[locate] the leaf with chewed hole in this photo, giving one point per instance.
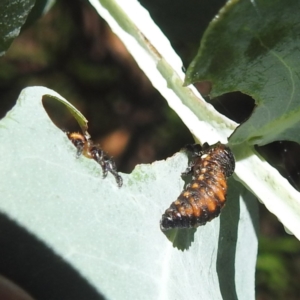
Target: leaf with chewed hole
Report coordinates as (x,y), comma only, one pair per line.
(110,235)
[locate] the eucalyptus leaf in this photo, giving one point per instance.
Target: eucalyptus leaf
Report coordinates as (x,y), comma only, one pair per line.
(111,235)
(254,47)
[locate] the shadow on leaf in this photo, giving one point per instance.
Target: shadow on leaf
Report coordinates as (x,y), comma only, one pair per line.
(181,238)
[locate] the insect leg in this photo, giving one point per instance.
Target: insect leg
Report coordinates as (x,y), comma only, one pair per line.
(189,169)
(107,164)
(100,157)
(111,167)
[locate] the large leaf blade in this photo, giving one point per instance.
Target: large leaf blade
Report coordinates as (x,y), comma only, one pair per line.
(111,235)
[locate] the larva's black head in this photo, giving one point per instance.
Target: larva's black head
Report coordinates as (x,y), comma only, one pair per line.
(166,223)
(169,221)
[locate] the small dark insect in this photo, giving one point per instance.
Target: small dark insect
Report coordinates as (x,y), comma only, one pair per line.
(86,147)
(203,198)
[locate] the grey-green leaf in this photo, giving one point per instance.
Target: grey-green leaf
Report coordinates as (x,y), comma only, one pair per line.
(111,235)
(254,47)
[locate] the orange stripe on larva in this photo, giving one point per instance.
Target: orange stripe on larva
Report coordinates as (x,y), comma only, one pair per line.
(204,197)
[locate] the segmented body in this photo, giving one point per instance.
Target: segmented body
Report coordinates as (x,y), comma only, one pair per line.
(203,198)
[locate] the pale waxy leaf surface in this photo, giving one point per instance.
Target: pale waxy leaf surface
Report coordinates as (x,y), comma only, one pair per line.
(111,235)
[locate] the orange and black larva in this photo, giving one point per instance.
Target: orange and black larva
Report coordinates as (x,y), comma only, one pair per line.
(86,147)
(203,198)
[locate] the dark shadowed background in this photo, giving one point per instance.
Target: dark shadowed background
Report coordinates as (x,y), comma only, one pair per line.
(72,51)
